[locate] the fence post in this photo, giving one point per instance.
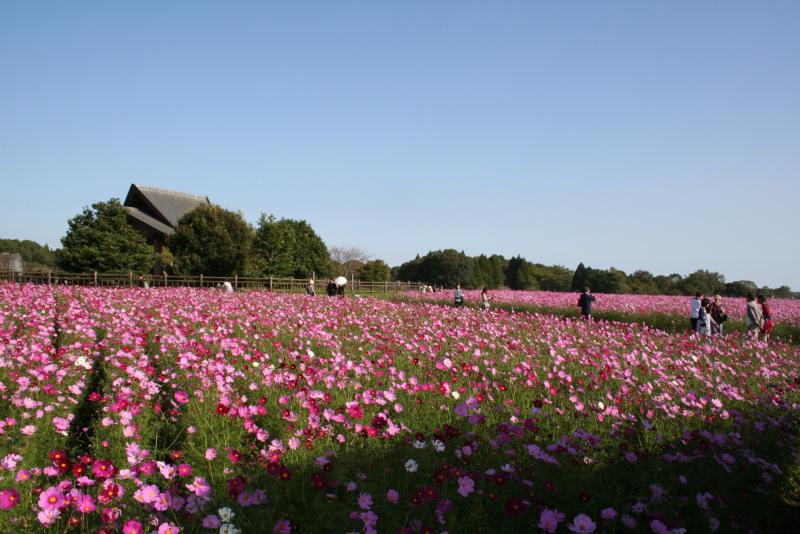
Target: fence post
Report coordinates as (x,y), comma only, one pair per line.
(165,278)
(130,278)
(201,280)
(49,278)
(236,281)
(270,282)
(95,278)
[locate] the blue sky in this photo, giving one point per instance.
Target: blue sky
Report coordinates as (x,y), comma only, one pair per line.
(654,135)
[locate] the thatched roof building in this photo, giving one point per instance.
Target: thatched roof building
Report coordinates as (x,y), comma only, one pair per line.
(155,212)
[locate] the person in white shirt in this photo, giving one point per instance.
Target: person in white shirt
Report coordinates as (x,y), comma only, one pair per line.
(694,310)
(227,287)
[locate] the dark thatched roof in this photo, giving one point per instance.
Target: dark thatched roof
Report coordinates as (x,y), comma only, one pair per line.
(160,209)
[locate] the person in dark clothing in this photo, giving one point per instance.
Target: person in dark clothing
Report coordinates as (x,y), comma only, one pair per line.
(340,291)
(331,288)
(585,302)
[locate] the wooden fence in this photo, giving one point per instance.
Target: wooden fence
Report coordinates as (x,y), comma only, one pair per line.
(270,283)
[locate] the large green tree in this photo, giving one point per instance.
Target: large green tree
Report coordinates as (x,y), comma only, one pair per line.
(520,274)
(213,241)
(580,278)
(375,271)
(100,239)
(288,247)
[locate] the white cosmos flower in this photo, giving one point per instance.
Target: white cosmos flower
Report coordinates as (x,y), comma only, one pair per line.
(438,445)
(411,466)
(418,444)
(226,514)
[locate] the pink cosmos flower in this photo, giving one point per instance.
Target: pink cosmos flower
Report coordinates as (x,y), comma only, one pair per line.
(282,527)
(392,496)
(608,513)
(9,498)
(199,487)
(85,504)
(465,486)
(168,528)
(181,397)
(365,501)
(48,517)
(132,527)
(582,524)
(211,521)
(549,520)
(211,454)
(51,499)
(147,494)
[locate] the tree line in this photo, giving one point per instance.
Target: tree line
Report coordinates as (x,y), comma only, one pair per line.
(214,241)
(449,267)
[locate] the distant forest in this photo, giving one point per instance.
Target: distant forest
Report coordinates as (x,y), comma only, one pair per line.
(449,267)
(35,256)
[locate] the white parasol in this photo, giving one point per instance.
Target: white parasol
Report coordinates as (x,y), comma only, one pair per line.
(340,281)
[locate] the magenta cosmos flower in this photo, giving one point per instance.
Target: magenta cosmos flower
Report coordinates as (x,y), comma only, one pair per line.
(9,498)
(51,499)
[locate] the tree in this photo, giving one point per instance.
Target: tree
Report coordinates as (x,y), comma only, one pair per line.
(274,246)
(408,271)
(100,239)
(213,241)
(739,288)
(375,271)
(347,260)
(288,247)
(783,292)
(643,283)
(706,282)
(441,267)
(580,278)
(520,275)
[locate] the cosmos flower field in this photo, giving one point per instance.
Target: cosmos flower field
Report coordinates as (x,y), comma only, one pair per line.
(186,410)
(785,310)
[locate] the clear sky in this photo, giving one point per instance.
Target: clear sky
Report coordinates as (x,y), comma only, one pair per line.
(654,135)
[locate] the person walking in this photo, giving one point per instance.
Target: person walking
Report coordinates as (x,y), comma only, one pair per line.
(718,314)
(458,296)
(331,288)
(485,298)
(694,311)
(755,316)
(310,289)
(585,302)
(766,313)
(704,320)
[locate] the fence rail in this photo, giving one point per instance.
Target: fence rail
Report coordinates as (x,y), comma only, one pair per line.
(290,285)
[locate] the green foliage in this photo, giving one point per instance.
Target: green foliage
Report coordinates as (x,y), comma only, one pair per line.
(375,271)
(580,278)
(213,241)
(35,256)
(288,247)
(100,239)
(519,274)
(706,282)
(740,288)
